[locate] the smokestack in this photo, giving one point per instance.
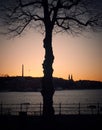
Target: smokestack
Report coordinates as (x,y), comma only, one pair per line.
(22,70)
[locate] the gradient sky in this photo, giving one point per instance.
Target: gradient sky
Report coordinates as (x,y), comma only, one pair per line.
(79,56)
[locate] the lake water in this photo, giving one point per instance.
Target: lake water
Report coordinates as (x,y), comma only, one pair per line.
(64,97)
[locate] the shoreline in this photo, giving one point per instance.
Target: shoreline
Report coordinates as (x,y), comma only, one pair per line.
(56,90)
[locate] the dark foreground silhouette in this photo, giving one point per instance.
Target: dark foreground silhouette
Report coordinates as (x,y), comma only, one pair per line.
(69,122)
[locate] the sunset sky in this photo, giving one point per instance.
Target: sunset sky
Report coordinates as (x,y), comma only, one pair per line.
(79,56)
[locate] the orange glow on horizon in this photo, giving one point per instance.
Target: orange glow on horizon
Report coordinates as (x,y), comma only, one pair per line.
(80,57)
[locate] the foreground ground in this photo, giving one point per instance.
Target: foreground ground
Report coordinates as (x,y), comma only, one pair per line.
(70,122)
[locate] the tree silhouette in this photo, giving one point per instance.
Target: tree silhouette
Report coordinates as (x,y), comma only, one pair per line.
(50,16)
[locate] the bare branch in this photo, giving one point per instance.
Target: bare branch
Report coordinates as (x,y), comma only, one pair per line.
(62,25)
(63,14)
(68,5)
(91,21)
(30,3)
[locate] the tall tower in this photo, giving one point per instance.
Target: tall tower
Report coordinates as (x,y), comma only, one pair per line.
(22,70)
(71,77)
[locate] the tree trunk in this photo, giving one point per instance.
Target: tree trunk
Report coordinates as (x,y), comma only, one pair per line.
(47,81)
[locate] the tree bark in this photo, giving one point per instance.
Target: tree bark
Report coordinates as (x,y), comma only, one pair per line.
(47,81)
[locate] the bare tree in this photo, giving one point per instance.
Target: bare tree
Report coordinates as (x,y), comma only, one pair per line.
(71,16)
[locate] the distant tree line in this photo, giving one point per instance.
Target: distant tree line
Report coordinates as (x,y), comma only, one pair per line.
(34,84)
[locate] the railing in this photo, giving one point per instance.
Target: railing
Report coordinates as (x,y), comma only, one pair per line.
(78,108)
(60,109)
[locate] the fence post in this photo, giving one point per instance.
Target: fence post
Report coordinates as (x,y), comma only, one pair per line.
(1,108)
(40,109)
(98,109)
(59,108)
(21,107)
(79,108)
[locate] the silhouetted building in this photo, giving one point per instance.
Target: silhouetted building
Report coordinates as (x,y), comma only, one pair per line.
(70,82)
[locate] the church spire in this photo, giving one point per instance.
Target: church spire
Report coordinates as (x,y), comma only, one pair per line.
(70,77)
(22,70)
